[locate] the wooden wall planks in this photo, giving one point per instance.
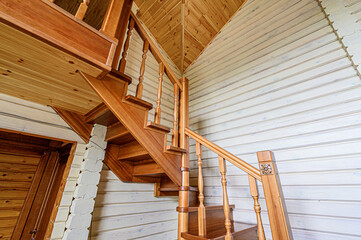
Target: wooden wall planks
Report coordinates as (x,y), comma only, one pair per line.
(129,210)
(202,22)
(17,172)
(277,78)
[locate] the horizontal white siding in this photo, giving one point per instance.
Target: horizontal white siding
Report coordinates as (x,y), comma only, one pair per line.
(276,78)
(345,16)
(129,210)
(20,115)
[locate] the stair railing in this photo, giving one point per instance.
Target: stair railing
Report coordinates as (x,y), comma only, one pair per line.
(164,69)
(266,175)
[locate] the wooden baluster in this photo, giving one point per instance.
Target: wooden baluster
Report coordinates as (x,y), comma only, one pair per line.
(123,61)
(228,224)
(139,92)
(82,9)
(159,96)
(257,208)
(201,208)
(175,120)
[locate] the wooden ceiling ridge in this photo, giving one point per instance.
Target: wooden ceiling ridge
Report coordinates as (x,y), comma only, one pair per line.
(185,37)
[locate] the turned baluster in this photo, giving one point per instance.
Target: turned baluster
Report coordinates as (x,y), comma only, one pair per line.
(83,7)
(175,120)
(226,208)
(201,208)
(257,208)
(123,61)
(159,96)
(139,92)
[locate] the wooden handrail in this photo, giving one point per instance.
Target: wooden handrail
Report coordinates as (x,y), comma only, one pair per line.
(154,50)
(254,172)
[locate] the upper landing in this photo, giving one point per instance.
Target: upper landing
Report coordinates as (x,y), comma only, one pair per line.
(42,49)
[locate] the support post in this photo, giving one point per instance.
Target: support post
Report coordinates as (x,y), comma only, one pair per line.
(184,143)
(115,24)
(274,201)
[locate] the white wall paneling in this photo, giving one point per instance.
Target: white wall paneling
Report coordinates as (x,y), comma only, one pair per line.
(277,78)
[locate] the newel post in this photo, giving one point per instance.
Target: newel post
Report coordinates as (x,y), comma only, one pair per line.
(115,25)
(275,206)
(184,143)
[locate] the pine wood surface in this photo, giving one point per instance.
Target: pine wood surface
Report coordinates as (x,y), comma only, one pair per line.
(183,34)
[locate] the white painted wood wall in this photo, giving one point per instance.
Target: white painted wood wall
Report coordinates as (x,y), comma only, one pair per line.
(20,115)
(129,210)
(276,78)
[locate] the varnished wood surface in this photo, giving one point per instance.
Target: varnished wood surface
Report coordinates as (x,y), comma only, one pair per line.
(35,71)
(76,122)
(55,28)
(226,155)
(14,187)
(277,215)
(184,40)
(154,50)
(95,13)
(133,116)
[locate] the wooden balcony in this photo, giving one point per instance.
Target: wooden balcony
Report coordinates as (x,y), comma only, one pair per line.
(42,50)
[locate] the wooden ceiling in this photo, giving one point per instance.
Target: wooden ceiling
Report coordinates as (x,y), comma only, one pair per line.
(185,28)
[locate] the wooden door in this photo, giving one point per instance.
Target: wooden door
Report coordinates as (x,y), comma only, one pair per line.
(16,175)
(43,184)
(33,174)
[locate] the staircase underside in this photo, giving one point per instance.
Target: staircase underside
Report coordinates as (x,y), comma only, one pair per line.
(137,150)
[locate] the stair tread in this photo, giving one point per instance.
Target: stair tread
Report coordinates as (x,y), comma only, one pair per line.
(120,75)
(132,151)
(139,102)
(210,208)
(101,115)
(242,231)
(158,127)
(176,189)
(118,134)
(176,149)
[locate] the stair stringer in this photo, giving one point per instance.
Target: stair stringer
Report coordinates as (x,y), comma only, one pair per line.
(134,118)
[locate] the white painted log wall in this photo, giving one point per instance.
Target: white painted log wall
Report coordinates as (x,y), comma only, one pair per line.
(345,16)
(20,115)
(276,78)
(129,210)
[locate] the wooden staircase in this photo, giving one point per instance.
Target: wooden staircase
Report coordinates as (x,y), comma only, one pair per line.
(214,225)
(137,149)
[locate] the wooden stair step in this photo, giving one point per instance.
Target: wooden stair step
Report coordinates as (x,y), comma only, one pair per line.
(118,134)
(139,102)
(176,149)
(119,75)
(148,169)
(208,208)
(158,127)
(101,115)
(242,231)
(132,151)
(176,189)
